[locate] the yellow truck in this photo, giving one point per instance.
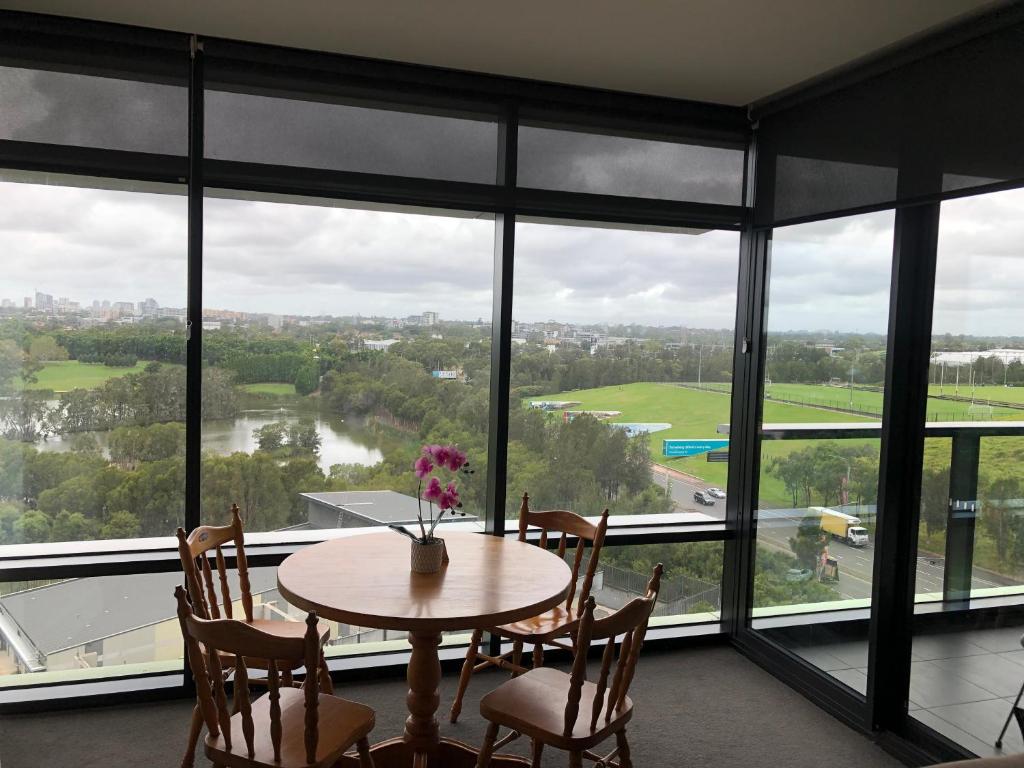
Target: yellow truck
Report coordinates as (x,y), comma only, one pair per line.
(841,526)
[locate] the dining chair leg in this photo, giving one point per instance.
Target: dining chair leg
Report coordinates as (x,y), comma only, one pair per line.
(625,761)
(517,654)
(326,684)
(467,672)
(487,748)
(363,748)
(576,759)
(536,750)
(538,655)
(193,738)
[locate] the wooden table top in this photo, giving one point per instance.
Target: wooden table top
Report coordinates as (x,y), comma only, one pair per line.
(366,580)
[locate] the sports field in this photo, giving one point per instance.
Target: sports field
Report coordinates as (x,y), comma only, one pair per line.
(66,375)
(871,402)
(696,414)
(996,393)
(272,388)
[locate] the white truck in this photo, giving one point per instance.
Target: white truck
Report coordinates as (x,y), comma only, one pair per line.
(841,526)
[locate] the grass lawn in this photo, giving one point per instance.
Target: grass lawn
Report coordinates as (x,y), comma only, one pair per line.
(66,375)
(1001,394)
(938,410)
(273,388)
(696,414)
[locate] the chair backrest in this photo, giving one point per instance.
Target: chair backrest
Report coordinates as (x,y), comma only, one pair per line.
(630,621)
(209,641)
(560,521)
(193,551)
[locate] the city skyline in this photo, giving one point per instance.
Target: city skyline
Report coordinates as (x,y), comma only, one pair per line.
(309,260)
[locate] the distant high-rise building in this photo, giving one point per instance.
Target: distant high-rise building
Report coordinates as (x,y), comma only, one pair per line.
(28,302)
(44,302)
(148,307)
(8,303)
(429,318)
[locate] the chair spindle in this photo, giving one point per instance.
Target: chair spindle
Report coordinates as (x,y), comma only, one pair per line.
(225,591)
(274,691)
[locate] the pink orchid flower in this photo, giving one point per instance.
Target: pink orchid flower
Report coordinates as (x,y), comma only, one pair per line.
(433,491)
(441,454)
(423,467)
(456,460)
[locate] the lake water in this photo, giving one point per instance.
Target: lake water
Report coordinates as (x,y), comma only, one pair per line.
(342,442)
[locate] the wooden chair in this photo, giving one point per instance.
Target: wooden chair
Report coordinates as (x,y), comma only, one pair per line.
(194,551)
(566,711)
(287,727)
(549,628)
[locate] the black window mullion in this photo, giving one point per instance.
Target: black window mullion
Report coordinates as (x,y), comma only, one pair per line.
(902,459)
(501,328)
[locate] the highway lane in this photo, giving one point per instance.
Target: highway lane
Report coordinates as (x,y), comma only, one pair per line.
(681,488)
(776,527)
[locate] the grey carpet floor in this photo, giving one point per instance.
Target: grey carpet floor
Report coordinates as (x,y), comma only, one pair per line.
(700,707)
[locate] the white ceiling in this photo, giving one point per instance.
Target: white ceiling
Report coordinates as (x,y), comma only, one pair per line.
(725,51)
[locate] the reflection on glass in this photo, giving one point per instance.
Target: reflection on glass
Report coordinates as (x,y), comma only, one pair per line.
(92,347)
(621,364)
(338,341)
(82,629)
(575,161)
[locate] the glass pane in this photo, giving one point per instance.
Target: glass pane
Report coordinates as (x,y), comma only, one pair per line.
(92,352)
(816,510)
(74,630)
(574,161)
(967,665)
(691,585)
(337,341)
(89,111)
(349,137)
(621,365)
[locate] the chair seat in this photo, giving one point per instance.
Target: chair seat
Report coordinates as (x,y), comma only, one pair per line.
(534,705)
(341,724)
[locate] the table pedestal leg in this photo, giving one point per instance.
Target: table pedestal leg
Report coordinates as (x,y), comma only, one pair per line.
(424,676)
(421,746)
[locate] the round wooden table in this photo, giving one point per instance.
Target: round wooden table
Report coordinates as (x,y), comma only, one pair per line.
(366,580)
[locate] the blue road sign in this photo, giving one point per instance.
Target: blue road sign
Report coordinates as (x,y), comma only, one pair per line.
(692,447)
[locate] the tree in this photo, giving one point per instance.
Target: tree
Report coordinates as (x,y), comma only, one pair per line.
(31,528)
(303,436)
(935,498)
(270,437)
(72,526)
(44,349)
(121,525)
(810,541)
(11,361)
(1000,505)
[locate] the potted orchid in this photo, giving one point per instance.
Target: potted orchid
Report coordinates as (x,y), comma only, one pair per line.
(428,550)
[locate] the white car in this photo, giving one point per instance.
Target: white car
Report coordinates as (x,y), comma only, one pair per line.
(716,493)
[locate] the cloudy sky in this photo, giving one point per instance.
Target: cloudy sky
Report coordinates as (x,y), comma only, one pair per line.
(309,259)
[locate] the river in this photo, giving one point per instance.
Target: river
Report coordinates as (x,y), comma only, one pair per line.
(342,442)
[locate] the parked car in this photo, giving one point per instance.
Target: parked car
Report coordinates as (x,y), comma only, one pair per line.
(716,493)
(799,574)
(702,498)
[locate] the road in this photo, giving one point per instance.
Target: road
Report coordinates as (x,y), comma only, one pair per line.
(776,527)
(681,488)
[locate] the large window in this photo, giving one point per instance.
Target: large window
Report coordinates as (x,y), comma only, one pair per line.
(966,665)
(92,347)
(824,370)
(621,370)
(336,342)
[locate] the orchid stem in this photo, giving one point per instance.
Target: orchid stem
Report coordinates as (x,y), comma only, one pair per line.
(419,507)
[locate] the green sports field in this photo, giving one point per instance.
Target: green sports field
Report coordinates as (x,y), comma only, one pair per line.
(995,393)
(696,414)
(871,402)
(66,375)
(272,388)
